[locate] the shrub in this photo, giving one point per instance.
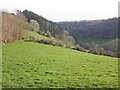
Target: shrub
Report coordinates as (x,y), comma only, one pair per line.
(77,47)
(34,25)
(94,50)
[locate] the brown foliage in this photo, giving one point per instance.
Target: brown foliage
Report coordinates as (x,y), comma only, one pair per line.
(13,27)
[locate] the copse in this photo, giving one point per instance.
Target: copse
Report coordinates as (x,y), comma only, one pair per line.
(13,27)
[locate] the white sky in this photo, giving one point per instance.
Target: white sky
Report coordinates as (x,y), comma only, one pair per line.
(65,10)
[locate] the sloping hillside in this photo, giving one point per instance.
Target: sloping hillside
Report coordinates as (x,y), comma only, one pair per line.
(49,27)
(95,33)
(20,26)
(28,64)
(97,29)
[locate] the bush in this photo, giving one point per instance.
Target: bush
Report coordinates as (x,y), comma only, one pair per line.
(34,25)
(94,50)
(77,47)
(58,44)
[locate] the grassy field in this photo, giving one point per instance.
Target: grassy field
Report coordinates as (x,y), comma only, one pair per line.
(28,64)
(37,36)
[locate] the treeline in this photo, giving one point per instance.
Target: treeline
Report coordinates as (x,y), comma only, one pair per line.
(98,36)
(45,25)
(98,51)
(13,27)
(100,29)
(49,28)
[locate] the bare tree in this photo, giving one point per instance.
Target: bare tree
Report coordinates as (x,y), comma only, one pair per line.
(13,27)
(34,25)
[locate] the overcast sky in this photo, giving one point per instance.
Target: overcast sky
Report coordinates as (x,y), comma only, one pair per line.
(66,10)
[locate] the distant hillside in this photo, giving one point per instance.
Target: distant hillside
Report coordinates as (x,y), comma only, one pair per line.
(49,28)
(99,29)
(45,25)
(95,35)
(96,31)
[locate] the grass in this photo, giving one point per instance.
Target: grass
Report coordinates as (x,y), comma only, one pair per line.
(96,41)
(28,64)
(38,36)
